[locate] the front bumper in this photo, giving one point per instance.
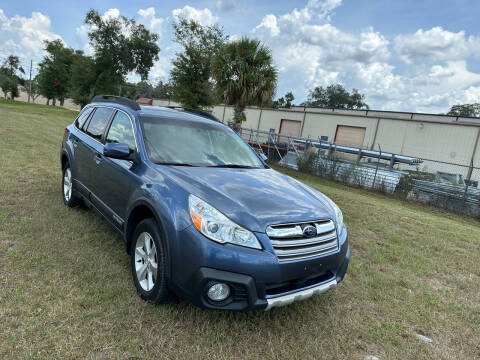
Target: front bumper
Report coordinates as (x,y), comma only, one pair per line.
(300,295)
(256,278)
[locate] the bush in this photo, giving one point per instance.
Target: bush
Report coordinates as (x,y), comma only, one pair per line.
(405,185)
(307,162)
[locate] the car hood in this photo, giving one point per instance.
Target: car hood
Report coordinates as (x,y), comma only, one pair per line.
(253,198)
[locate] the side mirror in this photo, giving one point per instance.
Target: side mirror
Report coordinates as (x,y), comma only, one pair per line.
(116,150)
(263,157)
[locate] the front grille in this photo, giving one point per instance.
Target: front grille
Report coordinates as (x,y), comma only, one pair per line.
(303,240)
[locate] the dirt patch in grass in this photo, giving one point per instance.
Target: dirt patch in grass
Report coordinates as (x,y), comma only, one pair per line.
(5,246)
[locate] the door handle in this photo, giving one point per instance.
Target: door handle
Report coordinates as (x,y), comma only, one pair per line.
(98,158)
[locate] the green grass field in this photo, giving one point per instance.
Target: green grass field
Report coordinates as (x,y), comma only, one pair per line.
(66,289)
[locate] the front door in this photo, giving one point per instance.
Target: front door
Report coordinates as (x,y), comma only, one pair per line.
(114,177)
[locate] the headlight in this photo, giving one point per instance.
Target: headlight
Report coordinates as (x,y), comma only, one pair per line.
(217,227)
(338,215)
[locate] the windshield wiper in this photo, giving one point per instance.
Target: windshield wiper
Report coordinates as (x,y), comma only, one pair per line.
(175,163)
(238,166)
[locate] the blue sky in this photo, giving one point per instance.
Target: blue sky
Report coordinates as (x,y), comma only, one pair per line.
(404,55)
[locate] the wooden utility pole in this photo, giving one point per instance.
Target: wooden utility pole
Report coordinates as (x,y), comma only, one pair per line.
(30,85)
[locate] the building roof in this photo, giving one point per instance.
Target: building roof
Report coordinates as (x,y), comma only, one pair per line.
(393,115)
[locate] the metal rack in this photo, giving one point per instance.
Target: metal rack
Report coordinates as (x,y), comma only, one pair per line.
(296,144)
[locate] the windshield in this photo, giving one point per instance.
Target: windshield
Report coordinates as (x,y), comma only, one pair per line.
(193,143)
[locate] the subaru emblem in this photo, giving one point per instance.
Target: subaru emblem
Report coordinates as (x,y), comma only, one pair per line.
(309,231)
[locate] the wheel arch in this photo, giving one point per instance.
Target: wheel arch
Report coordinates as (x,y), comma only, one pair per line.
(64,159)
(141,210)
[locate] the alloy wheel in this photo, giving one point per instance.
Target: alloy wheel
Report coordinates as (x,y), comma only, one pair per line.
(146,261)
(67,184)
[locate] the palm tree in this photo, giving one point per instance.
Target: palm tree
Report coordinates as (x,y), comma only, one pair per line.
(245,75)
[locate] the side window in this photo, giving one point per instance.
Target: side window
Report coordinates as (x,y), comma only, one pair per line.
(121,131)
(99,122)
(84,114)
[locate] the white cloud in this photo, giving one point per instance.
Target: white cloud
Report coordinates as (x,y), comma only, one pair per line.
(160,69)
(432,89)
(234,37)
(453,74)
(269,23)
(82,35)
(147,17)
(202,16)
(314,10)
(324,7)
(310,51)
(435,44)
(25,36)
(324,40)
(472,94)
(111,14)
(310,54)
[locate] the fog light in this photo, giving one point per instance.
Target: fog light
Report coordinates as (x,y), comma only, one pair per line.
(218,292)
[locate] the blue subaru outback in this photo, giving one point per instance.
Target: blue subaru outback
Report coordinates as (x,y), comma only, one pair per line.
(201,214)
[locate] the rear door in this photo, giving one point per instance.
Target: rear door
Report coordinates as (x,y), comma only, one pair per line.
(94,134)
(80,150)
(114,177)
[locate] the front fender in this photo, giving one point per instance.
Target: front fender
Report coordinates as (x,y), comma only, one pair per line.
(169,204)
(167,201)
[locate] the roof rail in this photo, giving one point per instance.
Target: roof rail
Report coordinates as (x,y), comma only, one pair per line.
(117,99)
(198,112)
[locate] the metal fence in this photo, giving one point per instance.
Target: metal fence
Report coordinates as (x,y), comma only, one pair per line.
(451,186)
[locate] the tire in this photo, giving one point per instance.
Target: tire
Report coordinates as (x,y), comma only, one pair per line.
(68,194)
(151,283)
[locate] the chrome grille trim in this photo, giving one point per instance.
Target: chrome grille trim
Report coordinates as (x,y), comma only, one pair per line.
(325,227)
(305,251)
(293,231)
(289,242)
(304,241)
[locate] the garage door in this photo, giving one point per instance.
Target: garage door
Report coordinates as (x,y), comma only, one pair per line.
(350,135)
(289,127)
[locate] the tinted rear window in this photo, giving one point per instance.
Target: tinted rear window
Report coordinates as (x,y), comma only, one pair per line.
(99,122)
(84,114)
